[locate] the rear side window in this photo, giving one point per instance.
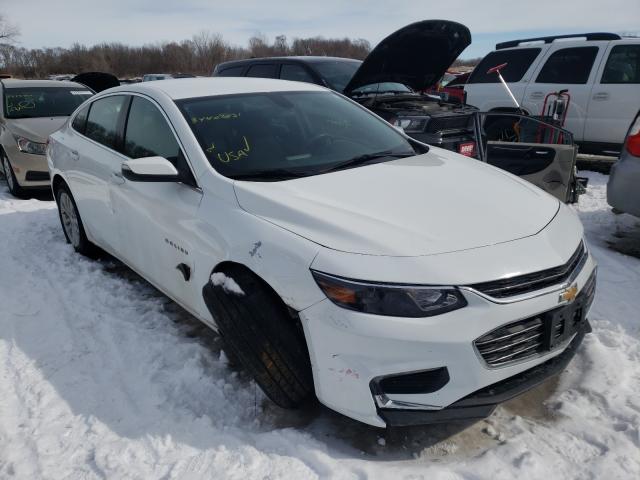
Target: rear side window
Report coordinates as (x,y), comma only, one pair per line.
(262,70)
(623,65)
(148,134)
(297,73)
(568,65)
(231,72)
(518,62)
(80,120)
(102,122)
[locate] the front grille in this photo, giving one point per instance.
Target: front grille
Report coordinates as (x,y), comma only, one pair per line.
(521,284)
(544,332)
(512,342)
(451,122)
(33,176)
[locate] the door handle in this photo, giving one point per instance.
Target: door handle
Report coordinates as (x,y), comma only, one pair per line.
(536,95)
(502,148)
(74,155)
(117,178)
(601,96)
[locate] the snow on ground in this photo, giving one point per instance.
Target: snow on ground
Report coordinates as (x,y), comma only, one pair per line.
(103,377)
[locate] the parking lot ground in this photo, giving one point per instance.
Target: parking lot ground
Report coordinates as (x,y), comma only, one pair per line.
(104,377)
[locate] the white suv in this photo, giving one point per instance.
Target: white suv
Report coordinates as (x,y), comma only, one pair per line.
(600,70)
(334,254)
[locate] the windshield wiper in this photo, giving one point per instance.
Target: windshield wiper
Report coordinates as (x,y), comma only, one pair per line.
(275,174)
(20,116)
(367,157)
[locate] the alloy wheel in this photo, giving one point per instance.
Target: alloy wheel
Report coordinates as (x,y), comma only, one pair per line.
(69,219)
(7,173)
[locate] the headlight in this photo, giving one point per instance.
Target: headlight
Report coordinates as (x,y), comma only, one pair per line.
(411,124)
(28,146)
(391,300)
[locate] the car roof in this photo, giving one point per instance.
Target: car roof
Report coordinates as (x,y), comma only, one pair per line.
(213,86)
(17,83)
(296,58)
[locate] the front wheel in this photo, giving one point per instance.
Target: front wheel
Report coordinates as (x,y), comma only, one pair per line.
(72,223)
(12,183)
(259,331)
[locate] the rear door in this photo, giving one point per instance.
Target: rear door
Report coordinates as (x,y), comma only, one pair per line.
(615,95)
(155,219)
(536,151)
(93,164)
(572,68)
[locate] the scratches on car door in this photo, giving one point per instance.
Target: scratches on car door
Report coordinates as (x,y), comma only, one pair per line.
(254,251)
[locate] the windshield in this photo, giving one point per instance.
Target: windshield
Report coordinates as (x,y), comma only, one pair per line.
(382,87)
(279,135)
(337,73)
(32,102)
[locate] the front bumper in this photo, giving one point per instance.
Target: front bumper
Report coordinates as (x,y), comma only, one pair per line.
(482,403)
(350,350)
(30,170)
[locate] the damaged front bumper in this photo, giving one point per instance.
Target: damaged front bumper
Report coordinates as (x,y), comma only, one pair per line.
(393,371)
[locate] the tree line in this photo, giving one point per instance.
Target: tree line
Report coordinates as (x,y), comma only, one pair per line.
(197,55)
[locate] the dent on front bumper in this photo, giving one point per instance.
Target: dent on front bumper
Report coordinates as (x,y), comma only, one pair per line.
(349,350)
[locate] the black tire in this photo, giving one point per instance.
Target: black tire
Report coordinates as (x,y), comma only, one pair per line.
(12,183)
(78,240)
(259,331)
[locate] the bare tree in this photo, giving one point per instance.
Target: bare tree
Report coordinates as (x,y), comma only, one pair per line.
(198,55)
(8,31)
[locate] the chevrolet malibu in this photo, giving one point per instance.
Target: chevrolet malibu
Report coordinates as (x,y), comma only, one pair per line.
(399,283)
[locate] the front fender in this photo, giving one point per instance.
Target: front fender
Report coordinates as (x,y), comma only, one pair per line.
(278,256)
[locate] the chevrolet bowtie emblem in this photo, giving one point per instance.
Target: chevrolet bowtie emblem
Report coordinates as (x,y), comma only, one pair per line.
(569,294)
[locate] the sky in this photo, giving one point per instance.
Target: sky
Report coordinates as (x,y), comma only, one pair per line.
(60,23)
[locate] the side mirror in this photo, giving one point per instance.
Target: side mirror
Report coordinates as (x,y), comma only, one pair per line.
(150,169)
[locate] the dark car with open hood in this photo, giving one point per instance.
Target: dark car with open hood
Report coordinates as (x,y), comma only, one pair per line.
(389,81)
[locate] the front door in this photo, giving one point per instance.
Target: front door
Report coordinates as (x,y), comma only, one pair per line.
(156,219)
(536,151)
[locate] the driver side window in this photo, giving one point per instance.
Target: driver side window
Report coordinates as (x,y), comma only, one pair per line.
(148,134)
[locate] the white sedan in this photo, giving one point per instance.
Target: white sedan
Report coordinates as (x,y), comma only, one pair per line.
(335,255)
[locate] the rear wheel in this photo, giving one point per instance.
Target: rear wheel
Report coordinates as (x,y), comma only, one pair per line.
(12,183)
(72,223)
(260,333)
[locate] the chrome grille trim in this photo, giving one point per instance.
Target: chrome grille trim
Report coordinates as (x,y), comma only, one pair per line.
(512,342)
(530,285)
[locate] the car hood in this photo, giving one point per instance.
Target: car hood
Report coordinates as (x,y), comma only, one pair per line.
(424,205)
(36,129)
(416,55)
(97,81)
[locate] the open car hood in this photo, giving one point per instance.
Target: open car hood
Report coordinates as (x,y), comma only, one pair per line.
(416,55)
(97,81)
